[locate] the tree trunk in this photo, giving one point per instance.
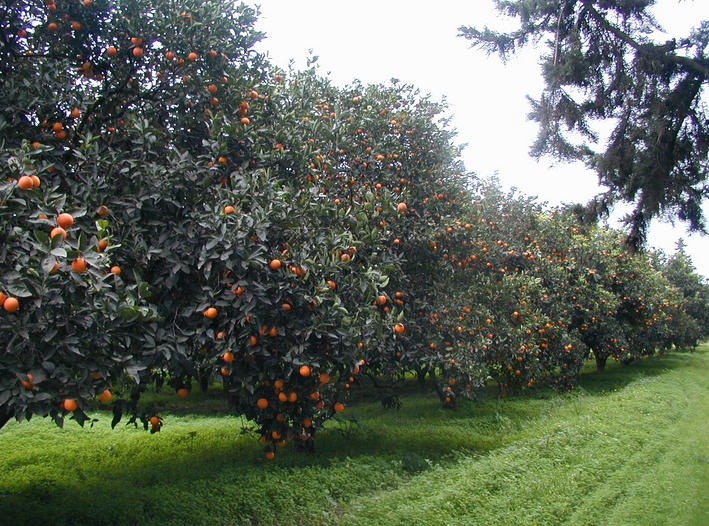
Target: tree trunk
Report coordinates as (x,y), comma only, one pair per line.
(203,381)
(421,373)
(600,361)
(5,416)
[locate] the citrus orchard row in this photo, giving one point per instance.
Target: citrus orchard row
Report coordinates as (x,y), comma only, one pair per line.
(186,213)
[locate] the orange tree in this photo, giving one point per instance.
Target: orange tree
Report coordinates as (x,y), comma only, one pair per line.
(208,243)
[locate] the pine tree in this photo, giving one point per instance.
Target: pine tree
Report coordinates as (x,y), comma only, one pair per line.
(604,66)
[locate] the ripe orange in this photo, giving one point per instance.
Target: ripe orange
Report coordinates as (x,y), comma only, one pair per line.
(292,396)
(70,405)
(228,357)
(116,270)
(105,396)
(324,378)
(399,328)
(27,384)
(58,231)
(212,88)
(182,393)
(25,182)
(169,55)
(52,26)
(211,313)
(61,135)
(270,455)
(381,299)
(103,210)
(331,284)
(262,403)
(35,181)
(79,265)
(338,407)
(224,371)
(402,207)
(245,120)
(102,245)
(253,94)
(275,264)
(304,370)
(76,26)
(192,56)
(55,268)
(253,340)
(155,420)
(137,52)
(75,113)
(65,220)
(228,209)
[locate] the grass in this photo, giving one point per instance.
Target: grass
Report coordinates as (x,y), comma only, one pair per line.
(629,447)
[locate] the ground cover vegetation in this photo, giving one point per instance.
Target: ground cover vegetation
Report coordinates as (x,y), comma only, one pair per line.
(629,446)
(174,211)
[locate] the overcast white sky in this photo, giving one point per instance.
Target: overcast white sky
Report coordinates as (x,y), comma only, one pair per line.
(377,40)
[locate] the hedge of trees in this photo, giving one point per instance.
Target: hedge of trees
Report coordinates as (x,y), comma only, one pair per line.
(173,209)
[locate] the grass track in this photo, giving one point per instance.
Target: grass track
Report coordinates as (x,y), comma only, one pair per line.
(629,447)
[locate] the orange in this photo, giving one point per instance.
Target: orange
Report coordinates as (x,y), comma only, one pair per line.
(76,25)
(116,270)
(35,181)
(270,455)
(224,371)
(192,56)
(102,245)
(155,420)
(103,210)
(212,88)
(324,378)
(399,328)
(262,403)
(253,340)
(304,370)
(338,407)
(65,220)
(58,231)
(402,207)
(136,41)
(70,405)
(275,264)
(253,94)
(55,268)
(228,209)
(211,313)
(27,384)
(25,182)
(228,357)
(52,26)
(105,396)
(137,52)
(331,284)
(75,113)
(182,393)
(79,265)
(381,299)
(245,120)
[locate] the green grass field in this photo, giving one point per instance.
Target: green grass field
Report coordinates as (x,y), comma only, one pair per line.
(628,447)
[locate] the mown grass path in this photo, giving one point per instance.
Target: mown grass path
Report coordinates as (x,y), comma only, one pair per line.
(638,455)
(629,447)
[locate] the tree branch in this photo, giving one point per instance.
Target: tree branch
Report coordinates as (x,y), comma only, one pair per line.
(688,63)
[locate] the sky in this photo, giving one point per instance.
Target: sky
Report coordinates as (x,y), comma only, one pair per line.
(377,40)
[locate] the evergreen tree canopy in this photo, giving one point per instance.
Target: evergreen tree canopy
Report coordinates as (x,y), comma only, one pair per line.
(605,65)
